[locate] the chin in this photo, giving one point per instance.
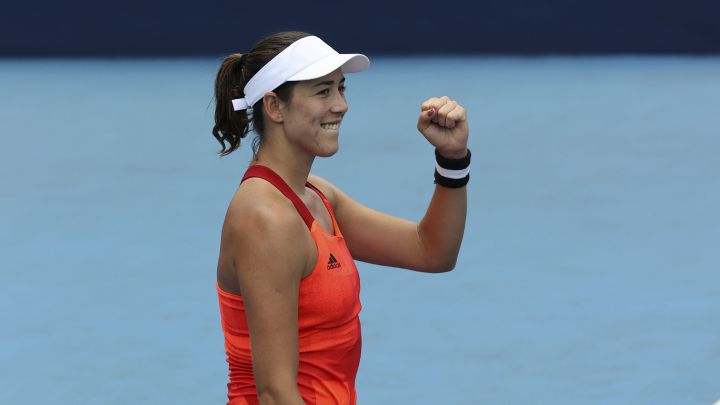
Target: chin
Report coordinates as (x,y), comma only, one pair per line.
(328,152)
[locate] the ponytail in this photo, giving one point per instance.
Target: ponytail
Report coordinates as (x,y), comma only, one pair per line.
(235,71)
(230,125)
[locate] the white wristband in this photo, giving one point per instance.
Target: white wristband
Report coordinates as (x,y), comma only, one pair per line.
(452,174)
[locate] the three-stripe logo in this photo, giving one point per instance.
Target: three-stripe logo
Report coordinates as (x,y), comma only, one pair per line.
(333,263)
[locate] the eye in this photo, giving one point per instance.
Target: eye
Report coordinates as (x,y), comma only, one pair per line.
(325,92)
(342,89)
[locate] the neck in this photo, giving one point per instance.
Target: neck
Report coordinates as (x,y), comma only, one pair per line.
(292,165)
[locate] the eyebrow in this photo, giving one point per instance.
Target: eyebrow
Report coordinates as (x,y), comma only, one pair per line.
(328,83)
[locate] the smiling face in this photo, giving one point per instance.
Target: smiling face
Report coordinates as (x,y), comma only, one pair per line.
(312,118)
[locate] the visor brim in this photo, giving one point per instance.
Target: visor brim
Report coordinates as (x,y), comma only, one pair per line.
(350,63)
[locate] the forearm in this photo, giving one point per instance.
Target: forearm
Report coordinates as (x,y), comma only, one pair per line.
(441,229)
(443,123)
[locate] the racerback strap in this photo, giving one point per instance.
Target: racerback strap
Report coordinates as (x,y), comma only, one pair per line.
(270,176)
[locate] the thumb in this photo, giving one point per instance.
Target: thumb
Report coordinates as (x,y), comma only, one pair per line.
(425,119)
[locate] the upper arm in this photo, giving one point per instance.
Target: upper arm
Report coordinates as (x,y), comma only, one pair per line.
(269,263)
(375,237)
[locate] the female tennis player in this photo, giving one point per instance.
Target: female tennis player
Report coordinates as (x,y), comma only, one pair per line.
(286,278)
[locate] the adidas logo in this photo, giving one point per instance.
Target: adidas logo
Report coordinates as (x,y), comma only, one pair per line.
(333,263)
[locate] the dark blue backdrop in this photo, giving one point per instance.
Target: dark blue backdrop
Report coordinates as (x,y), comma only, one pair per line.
(215,27)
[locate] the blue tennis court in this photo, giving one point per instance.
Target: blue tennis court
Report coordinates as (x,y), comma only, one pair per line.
(589,273)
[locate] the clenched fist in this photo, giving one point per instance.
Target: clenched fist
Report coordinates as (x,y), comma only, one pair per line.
(443,122)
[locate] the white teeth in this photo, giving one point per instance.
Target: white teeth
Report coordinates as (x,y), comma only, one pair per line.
(330,126)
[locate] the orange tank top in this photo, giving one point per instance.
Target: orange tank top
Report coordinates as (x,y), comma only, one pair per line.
(328,324)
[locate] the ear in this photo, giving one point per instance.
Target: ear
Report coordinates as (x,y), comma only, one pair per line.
(273,107)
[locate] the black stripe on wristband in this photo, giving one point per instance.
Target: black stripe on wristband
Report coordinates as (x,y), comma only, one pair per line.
(451,183)
(452,164)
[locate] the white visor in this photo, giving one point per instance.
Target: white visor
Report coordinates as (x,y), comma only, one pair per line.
(305,59)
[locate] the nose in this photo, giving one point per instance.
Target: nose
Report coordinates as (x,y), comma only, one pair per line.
(339,105)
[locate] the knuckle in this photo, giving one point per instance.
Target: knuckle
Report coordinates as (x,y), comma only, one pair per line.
(429,103)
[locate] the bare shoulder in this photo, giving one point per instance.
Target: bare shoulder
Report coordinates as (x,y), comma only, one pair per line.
(258,213)
(261,232)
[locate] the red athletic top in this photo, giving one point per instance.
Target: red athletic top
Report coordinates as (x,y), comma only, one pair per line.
(328,324)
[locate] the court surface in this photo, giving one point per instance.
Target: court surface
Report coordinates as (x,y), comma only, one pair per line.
(589,273)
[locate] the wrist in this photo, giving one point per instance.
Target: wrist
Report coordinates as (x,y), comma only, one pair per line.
(456,154)
(452,173)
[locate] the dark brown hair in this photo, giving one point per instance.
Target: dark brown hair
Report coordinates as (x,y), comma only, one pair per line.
(235,71)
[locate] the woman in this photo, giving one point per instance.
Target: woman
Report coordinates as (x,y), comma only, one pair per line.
(287,283)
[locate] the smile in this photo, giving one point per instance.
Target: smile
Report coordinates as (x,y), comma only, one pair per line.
(334,126)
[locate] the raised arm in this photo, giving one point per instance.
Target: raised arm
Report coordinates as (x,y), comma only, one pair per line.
(270,255)
(432,245)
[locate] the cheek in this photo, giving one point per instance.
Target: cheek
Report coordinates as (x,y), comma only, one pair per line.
(310,118)
(302,118)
